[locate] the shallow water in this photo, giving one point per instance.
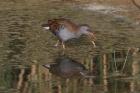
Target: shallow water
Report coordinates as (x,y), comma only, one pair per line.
(25,47)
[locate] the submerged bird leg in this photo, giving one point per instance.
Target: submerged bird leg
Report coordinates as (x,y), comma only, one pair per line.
(57,43)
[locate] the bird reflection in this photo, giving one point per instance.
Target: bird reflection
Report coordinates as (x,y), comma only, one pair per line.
(66,67)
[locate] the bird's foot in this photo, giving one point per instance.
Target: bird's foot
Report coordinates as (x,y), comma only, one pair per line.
(57,43)
(63,46)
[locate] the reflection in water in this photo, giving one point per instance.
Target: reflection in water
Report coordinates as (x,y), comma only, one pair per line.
(37,79)
(120,63)
(14,71)
(16,43)
(67,68)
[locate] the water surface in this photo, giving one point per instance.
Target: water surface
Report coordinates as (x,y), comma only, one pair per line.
(25,47)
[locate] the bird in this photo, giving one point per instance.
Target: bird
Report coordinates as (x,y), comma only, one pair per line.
(64,29)
(66,67)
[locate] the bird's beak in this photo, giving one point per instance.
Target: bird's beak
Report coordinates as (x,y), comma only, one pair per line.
(45,26)
(46,66)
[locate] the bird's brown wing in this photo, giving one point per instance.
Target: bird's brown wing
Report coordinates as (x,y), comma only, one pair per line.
(71,26)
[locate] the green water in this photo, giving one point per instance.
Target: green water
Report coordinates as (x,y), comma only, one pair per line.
(25,47)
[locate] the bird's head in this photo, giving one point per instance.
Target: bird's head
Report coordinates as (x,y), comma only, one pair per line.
(51,25)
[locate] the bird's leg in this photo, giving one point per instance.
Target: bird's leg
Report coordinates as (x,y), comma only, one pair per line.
(92,35)
(93,43)
(63,45)
(91,38)
(57,43)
